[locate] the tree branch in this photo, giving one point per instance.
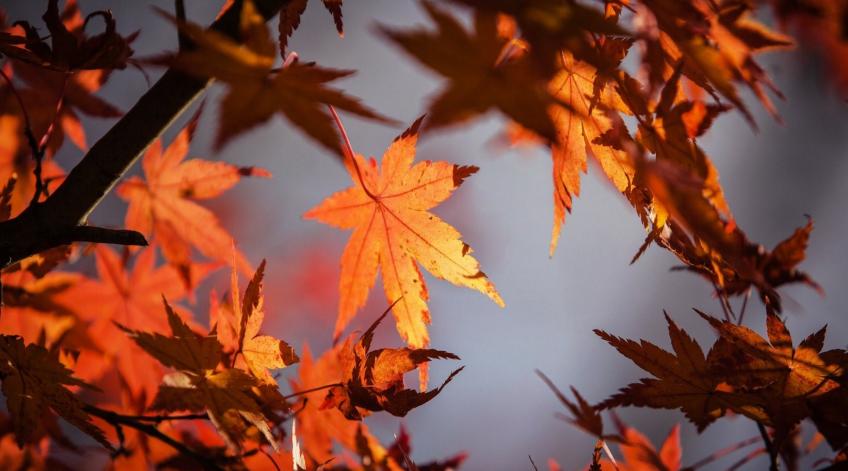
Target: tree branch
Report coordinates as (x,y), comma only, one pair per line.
(158,419)
(118,420)
(38,227)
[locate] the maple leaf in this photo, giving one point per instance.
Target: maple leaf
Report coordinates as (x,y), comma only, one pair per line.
(132,298)
(398,456)
(69,50)
(579,131)
(714,247)
(640,455)
(34,381)
(401,450)
(818,26)
(54,99)
(163,203)
(30,456)
(780,265)
(718,44)
(239,331)
(374,379)
(671,133)
(551,26)
(584,415)
(318,429)
(683,379)
(256,91)
(786,378)
(228,396)
(76,96)
(290,19)
(769,381)
(33,307)
(479,78)
(393,228)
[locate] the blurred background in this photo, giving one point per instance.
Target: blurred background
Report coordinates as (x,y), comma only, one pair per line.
(497,409)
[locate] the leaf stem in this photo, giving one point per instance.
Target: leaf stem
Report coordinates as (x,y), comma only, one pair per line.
(744,306)
(721,298)
(769,447)
(347,150)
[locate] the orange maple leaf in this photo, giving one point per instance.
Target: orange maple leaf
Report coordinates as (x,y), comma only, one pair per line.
(163,203)
(32,306)
(578,130)
(318,428)
(132,298)
(640,455)
(229,396)
(238,330)
(373,380)
(388,209)
(718,45)
(75,92)
(55,98)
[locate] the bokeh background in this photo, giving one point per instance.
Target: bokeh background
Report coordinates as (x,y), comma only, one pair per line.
(497,409)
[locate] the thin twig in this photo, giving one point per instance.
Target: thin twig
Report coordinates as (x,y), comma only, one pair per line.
(42,143)
(41,149)
(271,458)
(717,455)
(117,420)
(721,302)
(157,419)
(769,447)
(40,187)
(744,305)
(726,301)
(122,449)
(303,404)
(746,459)
(307,391)
(36,150)
(182,40)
